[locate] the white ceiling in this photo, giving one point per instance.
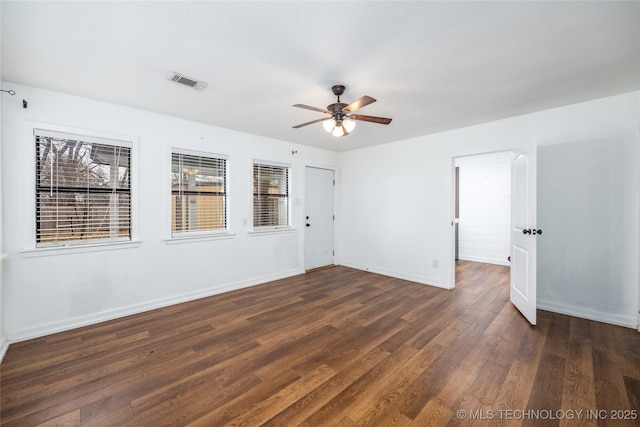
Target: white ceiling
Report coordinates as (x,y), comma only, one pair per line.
(433,66)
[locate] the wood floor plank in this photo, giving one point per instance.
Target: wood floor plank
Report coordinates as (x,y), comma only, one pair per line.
(557,342)
(632,386)
(579,388)
(72,419)
(341,405)
(546,393)
(515,390)
(611,394)
(320,397)
(432,415)
(432,380)
(222,415)
(261,412)
(338,347)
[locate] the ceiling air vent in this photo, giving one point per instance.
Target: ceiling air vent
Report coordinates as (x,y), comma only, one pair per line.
(189,81)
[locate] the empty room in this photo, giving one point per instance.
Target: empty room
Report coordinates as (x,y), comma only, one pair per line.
(282,213)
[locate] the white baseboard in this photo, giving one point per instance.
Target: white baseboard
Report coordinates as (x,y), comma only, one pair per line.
(51,328)
(395,274)
(585,313)
(4,346)
(485,260)
(78,322)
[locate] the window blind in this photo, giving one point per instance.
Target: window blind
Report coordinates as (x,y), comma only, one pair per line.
(198,193)
(83,190)
(270,195)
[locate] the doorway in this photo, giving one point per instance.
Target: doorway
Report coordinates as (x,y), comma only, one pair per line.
(482,194)
(523,230)
(319,217)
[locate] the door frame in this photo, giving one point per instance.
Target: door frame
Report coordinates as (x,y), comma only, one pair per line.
(304,207)
(512,147)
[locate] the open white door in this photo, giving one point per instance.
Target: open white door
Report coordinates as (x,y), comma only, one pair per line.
(319,218)
(523,233)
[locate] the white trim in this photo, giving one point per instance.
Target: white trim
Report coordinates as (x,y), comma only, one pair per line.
(81,137)
(271,230)
(194,150)
(4,346)
(585,313)
(201,237)
(181,237)
(303,211)
(270,163)
(199,153)
(453,159)
(78,248)
(77,322)
(485,260)
(27,184)
(53,128)
(410,277)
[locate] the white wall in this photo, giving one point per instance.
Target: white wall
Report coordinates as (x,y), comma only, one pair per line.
(3,339)
(584,199)
(395,202)
(48,291)
(484,233)
(394,210)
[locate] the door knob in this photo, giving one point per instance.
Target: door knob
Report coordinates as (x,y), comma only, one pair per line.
(530,231)
(308,225)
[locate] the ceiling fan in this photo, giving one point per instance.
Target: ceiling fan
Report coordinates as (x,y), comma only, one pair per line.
(341,118)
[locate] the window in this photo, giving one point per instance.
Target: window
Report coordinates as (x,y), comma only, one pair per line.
(198,193)
(83,189)
(270,195)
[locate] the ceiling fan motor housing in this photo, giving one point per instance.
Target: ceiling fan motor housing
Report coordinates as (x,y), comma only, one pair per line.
(337,108)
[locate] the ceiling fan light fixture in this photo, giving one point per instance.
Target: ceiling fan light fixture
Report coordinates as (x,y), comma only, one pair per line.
(329,124)
(348,124)
(339,130)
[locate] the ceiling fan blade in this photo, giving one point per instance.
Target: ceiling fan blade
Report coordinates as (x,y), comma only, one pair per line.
(363,118)
(311,122)
(359,103)
(306,107)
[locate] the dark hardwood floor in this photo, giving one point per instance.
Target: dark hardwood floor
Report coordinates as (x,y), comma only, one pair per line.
(335,347)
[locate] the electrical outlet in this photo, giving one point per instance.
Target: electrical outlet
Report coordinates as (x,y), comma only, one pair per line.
(435,263)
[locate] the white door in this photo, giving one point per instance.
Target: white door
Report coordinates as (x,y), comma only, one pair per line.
(524,232)
(318,218)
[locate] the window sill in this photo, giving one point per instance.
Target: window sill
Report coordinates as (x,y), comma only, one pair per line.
(198,238)
(74,249)
(271,231)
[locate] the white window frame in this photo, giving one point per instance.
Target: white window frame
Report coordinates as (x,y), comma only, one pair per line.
(112,240)
(185,236)
(272,228)
(27,185)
